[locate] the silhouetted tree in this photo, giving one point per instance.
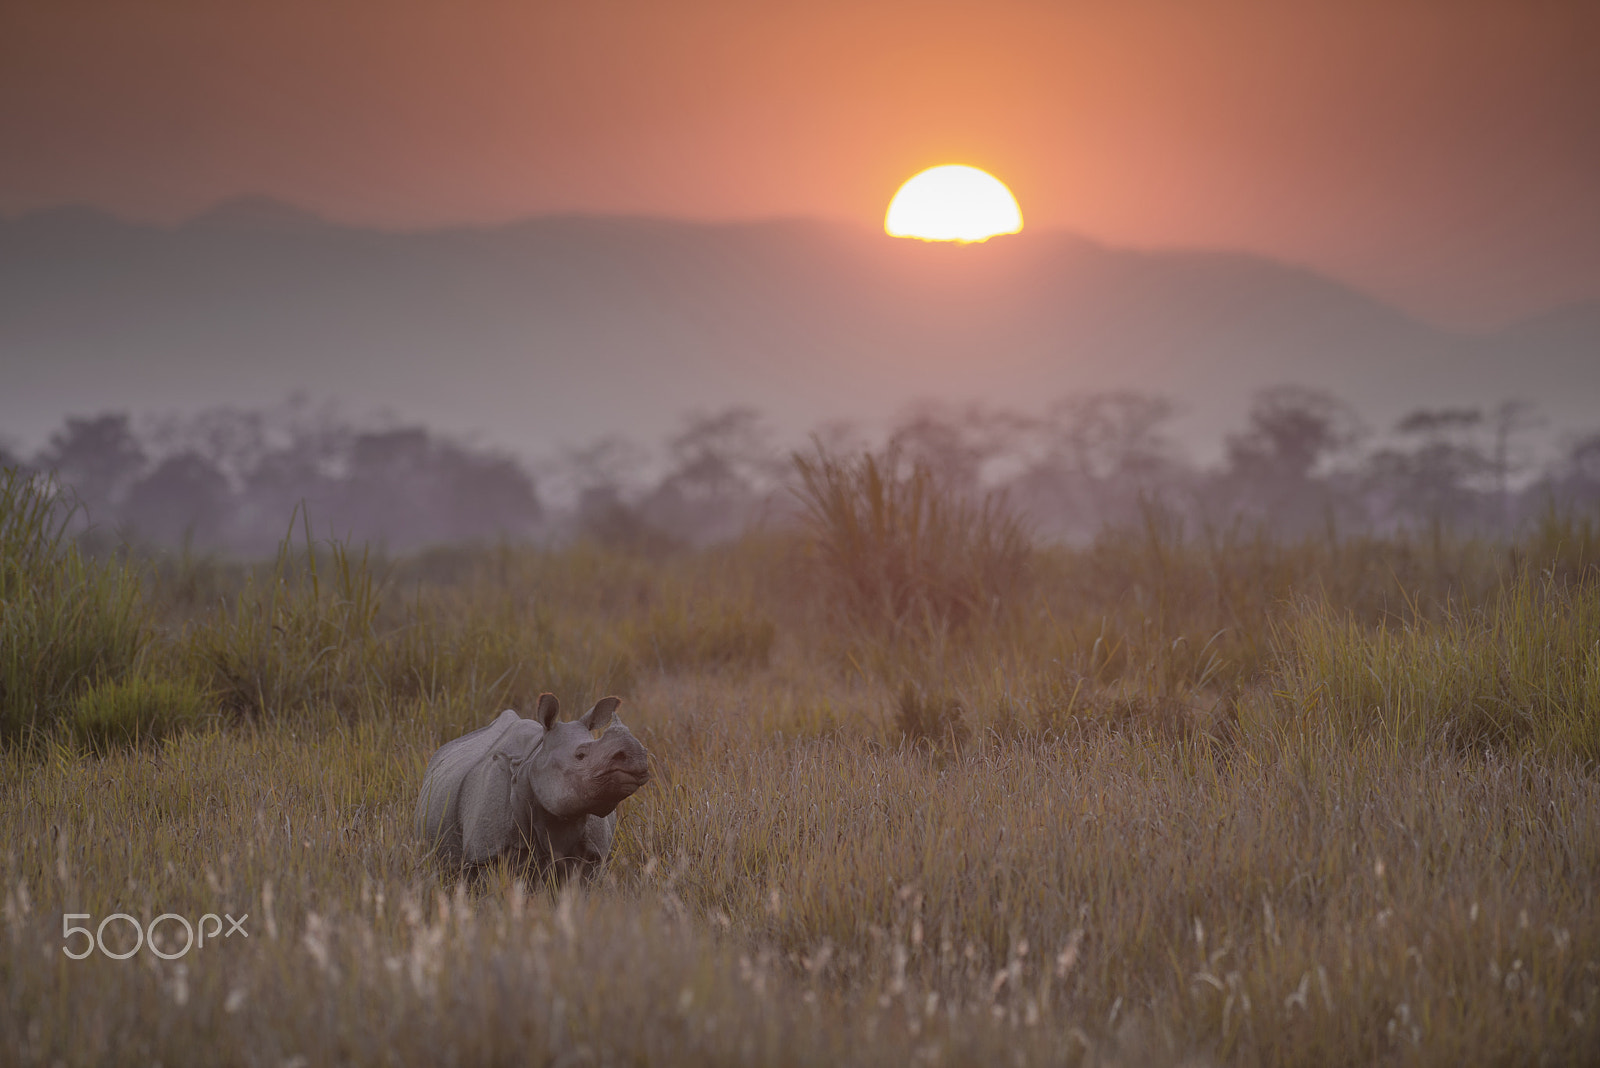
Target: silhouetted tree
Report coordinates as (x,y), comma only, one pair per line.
(390,486)
(481,494)
(723,467)
(1275,467)
(613,462)
(1509,421)
(1099,454)
(184,499)
(1117,435)
(231,477)
(234,440)
(1574,479)
(1291,431)
(99,457)
(411,489)
(957,444)
(604,476)
(1583,463)
(1442,477)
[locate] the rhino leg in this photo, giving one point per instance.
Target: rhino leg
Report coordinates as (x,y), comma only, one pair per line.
(563,849)
(598,832)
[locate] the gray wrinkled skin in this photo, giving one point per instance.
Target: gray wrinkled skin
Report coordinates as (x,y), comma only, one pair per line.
(533,791)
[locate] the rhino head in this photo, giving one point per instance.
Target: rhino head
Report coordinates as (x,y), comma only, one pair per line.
(584,767)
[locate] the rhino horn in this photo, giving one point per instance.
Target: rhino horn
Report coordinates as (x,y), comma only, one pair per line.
(600,716)
(549,708)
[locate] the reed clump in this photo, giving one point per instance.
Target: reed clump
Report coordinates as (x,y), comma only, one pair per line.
(1523,669)
(903,553)
(299,635)
(67,621)
(327,631)
(138,708)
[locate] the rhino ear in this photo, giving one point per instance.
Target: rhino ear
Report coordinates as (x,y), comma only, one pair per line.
(600,716)
(547,711)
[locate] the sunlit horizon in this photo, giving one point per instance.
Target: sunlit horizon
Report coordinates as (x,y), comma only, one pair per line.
(953,202)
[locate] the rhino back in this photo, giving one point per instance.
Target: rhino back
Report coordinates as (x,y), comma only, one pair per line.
(490,806)
(438,818)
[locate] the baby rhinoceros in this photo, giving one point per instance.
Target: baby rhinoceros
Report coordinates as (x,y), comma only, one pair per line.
(532,790)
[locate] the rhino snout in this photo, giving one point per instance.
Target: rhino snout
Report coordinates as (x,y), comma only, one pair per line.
(626,765)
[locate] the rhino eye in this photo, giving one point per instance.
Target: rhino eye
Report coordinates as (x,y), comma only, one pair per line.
(582,753)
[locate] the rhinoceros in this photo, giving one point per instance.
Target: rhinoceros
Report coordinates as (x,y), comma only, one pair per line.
(534,791)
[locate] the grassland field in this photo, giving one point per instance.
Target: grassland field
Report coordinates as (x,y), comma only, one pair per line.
(925,793)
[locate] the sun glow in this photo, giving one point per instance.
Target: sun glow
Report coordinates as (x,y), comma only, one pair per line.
(953,203)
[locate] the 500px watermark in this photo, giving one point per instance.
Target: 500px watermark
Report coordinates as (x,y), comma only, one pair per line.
(146,936)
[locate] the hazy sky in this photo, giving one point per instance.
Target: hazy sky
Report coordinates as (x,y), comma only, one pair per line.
(1444,154)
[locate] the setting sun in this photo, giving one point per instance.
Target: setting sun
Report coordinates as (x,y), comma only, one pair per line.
(953,203)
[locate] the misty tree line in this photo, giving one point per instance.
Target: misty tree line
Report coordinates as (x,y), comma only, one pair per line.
(232,479)
(1304,462)
(229,479)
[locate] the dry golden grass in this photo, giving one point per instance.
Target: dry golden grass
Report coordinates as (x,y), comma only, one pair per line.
(1157,818)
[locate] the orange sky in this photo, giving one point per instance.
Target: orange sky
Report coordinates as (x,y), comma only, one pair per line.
(1444,153)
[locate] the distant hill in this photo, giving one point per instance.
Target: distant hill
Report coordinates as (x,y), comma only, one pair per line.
(558,329)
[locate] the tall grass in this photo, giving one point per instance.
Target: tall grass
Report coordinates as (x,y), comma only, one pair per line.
(903,553)
(66,622)
(1565,544)
(1523,669)
(138,708)
(690,634)
(1180,797)
(300,635)
(829,900)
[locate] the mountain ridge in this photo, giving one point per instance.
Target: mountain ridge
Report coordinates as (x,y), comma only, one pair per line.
(605,324)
